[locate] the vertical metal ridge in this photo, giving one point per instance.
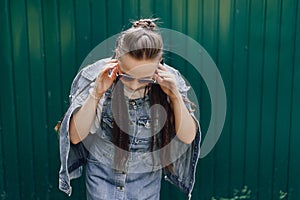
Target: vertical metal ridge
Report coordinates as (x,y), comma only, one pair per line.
(53,91)
(292,94)
(30,98)
(248,8)
(75,35)
(276,100)
(292,98)
(13,81)
(3,178)
(45,86)
(90,4)
(231,95)
(202,19)
(59,54)
(139,9)
(106,17)
(264,2)
(46,91)
(200,40)
(2,158)
(154,9)
(184,30)
(122,12)
(217,17)
(216,27)
(2,170)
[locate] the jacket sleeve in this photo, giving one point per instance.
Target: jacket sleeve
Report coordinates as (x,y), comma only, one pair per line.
(184,156)
(72,156)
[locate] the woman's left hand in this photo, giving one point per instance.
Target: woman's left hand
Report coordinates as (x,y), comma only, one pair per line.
(167,82)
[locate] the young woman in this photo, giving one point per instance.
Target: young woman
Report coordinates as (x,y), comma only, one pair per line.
(129,120)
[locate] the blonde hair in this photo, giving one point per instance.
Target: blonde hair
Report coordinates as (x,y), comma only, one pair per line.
(141,41)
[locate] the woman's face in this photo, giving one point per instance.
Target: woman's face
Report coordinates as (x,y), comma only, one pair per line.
(137,73)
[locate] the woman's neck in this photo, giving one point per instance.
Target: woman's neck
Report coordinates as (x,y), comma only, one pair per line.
(134,94)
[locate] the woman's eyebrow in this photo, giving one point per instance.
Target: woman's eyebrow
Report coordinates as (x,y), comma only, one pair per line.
(123,72)
(126,73)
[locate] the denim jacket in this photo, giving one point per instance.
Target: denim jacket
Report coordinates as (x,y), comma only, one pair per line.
(73,157)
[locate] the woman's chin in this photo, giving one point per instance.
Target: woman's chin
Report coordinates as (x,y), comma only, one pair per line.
(134,93)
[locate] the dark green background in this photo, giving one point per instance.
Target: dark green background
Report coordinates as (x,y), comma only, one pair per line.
(255,44)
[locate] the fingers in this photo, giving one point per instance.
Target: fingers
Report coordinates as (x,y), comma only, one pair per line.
(110,71)
(163,79)
(158,78)
(162,67)
(109,67)
(114,73)
(112,61)
(163,74)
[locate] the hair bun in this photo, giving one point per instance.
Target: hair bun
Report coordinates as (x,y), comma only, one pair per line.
(145,23)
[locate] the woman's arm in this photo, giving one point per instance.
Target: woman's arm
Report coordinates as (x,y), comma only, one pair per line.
(81,121)
(185,125)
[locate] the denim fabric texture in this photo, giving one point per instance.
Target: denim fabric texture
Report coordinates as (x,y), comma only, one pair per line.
(102,181)
(96,151)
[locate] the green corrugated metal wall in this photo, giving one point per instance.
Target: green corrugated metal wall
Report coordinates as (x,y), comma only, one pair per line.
(255,44)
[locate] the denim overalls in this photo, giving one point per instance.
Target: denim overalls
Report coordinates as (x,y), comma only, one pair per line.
(102,181)
(97,152)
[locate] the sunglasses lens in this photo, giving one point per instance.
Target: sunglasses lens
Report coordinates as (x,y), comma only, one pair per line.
(126,78)
(146,81)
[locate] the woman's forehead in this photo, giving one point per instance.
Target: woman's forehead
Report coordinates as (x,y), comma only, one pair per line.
(138,68)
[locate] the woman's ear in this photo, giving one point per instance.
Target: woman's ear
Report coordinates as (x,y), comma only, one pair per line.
(115,56)
(162,61)
(116,53)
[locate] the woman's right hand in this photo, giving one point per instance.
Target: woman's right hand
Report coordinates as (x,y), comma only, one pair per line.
(104,80)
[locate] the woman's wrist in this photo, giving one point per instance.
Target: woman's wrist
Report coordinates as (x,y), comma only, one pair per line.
(94,94)
(176,97)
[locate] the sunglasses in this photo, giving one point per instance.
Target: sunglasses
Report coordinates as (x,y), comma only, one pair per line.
(127,78)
